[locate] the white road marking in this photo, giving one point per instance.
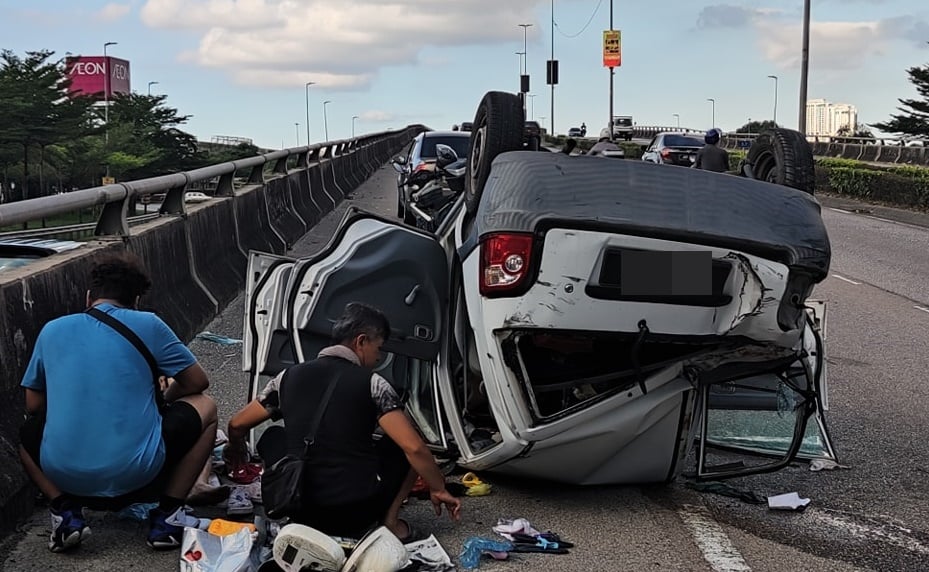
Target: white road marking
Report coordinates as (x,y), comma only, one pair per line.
(922,309)
(844,279)
(840,210)
(712,540)
(885,532)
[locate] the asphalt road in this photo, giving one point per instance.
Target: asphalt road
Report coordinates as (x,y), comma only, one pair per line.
(871,516)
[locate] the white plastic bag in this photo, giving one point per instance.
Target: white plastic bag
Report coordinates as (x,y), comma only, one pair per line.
(205,552)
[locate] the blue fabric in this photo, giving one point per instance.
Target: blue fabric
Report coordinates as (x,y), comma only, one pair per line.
(103,429)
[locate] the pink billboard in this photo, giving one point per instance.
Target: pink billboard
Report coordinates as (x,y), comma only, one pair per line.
(88,75)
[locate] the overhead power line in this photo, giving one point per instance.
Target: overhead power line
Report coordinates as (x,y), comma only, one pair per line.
(587,25)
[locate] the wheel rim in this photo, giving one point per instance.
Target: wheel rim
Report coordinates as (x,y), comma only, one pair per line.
(477,154)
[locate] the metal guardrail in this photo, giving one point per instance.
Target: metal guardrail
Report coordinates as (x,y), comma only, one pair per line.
(116,198)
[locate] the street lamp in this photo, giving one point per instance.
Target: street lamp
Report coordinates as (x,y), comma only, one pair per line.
(150,84)
(678,116)
(804,65)
(525,28)
(354,117)
(532,103)
(307,90)
(774,77)
(713,101)
(106,94)
(326,118)
(297,132)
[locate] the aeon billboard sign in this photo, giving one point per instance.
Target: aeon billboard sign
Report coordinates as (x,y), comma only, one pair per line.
(88,75)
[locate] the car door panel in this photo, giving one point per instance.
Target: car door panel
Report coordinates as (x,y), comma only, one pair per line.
(266,349)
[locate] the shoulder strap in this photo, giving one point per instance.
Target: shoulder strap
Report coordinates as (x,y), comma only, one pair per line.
(135,341)
(318,416)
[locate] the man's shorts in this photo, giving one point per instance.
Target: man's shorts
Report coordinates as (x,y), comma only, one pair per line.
(180,429)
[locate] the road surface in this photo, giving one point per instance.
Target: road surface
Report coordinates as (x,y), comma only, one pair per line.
(871,516)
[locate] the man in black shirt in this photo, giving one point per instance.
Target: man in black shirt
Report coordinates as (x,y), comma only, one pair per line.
(711,157)
(352,482)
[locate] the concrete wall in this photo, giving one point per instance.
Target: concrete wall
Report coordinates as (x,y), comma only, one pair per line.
(197,262)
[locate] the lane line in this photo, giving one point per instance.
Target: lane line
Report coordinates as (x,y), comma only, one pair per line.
(874,531)
(712,540)
(922,308)
(840,210)
(844,279)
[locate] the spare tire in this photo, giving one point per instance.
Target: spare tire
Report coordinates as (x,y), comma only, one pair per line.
(498,128)
(784,157)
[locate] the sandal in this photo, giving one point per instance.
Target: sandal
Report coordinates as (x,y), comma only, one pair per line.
(412,534)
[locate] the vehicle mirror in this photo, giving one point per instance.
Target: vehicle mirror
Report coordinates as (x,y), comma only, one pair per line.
(400,160)
(399,167)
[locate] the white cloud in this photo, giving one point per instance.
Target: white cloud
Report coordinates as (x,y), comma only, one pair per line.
(113,12)
(337,44)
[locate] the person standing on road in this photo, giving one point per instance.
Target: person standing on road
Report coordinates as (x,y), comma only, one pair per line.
(352,482)
(711,157)
(96,436)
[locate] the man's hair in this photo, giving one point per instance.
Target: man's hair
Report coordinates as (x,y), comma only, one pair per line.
(359,318)
(119,277)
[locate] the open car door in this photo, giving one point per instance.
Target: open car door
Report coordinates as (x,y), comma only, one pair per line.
(396,268)
(760,423)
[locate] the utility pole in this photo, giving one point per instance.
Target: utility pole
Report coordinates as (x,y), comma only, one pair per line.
(804,65)
(106,105)
(354,117)
(150,84)
(326,119)
(297,132)
(713,101)
(553,69)
(678,117)
(612,75)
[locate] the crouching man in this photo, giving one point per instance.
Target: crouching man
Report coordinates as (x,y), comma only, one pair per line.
(100,433)
(352,482)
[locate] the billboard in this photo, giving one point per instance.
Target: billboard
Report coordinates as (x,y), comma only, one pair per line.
(88,75)
(612,49)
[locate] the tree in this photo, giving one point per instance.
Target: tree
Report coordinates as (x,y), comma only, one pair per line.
(756,126)
(913,118)
(861,135)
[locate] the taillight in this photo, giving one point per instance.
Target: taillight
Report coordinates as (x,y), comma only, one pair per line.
(665,152)
(421,167)
(505,262)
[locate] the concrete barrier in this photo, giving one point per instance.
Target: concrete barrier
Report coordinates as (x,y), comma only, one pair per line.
(197,260)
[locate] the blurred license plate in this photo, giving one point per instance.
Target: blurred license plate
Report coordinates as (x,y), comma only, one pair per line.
(656,273)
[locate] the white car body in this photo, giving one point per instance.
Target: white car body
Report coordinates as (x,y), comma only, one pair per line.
(614,424)
(195,197)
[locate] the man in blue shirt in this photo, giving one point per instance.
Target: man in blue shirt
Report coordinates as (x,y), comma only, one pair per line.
(96,437)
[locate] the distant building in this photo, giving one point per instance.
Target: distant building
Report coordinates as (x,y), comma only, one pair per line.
(826,119)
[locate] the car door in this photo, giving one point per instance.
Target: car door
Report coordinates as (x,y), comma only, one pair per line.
(650,152)
(762,422)
(396,268)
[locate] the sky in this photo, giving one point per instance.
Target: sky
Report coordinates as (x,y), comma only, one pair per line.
(239,67)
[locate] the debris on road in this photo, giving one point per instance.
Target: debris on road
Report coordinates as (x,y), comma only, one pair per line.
(217,338)
(429,556)
(788,501)
(826,465)
(475,486)
(476,546)
(718,488)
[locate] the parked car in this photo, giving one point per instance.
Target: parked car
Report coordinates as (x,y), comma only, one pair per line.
(575,132)
(467,126)
(544,329)
(416,164)
(195,197)
(673,149)
(16,252)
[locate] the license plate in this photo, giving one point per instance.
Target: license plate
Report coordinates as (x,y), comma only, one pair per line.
(657,273)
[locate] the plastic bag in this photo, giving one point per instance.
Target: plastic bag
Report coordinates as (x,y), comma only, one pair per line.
(205,552)
(470,557)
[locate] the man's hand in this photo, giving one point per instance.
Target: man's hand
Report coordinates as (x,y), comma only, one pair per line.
(452,504)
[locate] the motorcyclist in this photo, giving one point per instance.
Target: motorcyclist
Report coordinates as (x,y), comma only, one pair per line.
(583,130)
(711,157)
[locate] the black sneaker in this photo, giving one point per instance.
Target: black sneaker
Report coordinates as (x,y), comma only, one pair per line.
(68,529)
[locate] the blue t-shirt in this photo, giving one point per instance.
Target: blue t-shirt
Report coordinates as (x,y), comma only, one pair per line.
(103,430)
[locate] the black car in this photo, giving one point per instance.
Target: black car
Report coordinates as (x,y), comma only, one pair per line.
(673,149)
(533,135)
(416,164)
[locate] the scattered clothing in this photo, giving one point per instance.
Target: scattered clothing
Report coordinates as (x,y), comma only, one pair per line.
(239,504)
(167,529)
(216,338)
(506,528)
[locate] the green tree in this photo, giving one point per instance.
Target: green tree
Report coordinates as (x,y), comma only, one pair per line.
(913,118)
(756,126)
(36,111)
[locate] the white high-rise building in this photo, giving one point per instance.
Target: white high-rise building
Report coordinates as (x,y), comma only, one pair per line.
(826,119)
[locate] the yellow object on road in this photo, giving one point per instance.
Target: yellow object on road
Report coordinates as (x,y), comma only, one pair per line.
(476,487)
(221,527)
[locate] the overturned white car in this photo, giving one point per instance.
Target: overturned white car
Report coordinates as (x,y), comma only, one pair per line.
(582,320)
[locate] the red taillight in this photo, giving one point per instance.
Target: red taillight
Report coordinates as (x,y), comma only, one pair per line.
(422,167)
(665,153)
(505,262)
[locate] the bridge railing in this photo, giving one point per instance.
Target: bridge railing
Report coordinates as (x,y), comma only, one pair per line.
(891,151)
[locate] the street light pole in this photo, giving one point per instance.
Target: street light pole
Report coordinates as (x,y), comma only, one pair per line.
(774,77)
(525,28)
(354,117)
(612,75)
(804,65)
(713,101)
(532,104)
(150,84)
(553,69)
(678,116)
(326,118)
(306,89)
(106,95)
(297,132)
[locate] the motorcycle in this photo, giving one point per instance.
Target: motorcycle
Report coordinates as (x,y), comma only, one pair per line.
(431,203)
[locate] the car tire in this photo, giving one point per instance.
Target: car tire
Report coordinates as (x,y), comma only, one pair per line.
(784,157)
(400,210)
(498,128)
